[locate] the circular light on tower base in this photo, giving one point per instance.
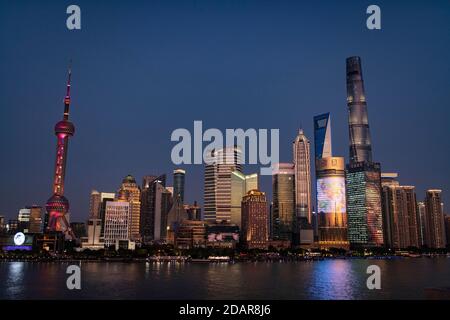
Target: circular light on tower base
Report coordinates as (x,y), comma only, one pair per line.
(19,239)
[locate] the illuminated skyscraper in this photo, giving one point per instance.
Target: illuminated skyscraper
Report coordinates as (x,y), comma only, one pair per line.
(130,192)
(24,219)
(358,120)
(331,211)
(255,220)
(57,205)
(435,226)
(178,184)
(284,218)
(400,221)
(322,149)
(117,221)
(363,189)
(364,206)
(408,197)
(331,202)
(388,180)
(97,207)
(105,197)
(217,190)
(302,168)
(363,177)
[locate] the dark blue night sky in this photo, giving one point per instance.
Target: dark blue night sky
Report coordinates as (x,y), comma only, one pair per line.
(141,70)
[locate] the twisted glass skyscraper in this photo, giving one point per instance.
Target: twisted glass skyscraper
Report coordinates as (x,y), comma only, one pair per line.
(362,176)
(358,120)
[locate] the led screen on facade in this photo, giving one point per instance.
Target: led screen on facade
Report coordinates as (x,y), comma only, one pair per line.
(331,194)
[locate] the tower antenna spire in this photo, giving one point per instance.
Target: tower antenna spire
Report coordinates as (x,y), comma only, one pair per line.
(67,97)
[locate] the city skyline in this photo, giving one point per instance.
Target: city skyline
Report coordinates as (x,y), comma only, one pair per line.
(40,103)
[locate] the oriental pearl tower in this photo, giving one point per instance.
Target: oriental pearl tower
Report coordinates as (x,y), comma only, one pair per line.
(58,205)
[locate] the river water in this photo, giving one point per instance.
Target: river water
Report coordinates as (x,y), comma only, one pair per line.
(327,279)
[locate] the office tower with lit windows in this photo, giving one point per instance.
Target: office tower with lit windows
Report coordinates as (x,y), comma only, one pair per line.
(255,222)
(388,181)
(130,192)
(284,218)
(30,219)
(302,182)
(220,164)
(363,177)
(331,202)
(400,219)
(57,205)
(178,184)
(191,234)
(435,226)
(97,209)
(364,214)
(97,206)
(118,216)
(407,194)
(24,219)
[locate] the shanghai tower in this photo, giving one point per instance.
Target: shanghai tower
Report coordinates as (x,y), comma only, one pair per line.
(57,206)
(358,120)
(362,175)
